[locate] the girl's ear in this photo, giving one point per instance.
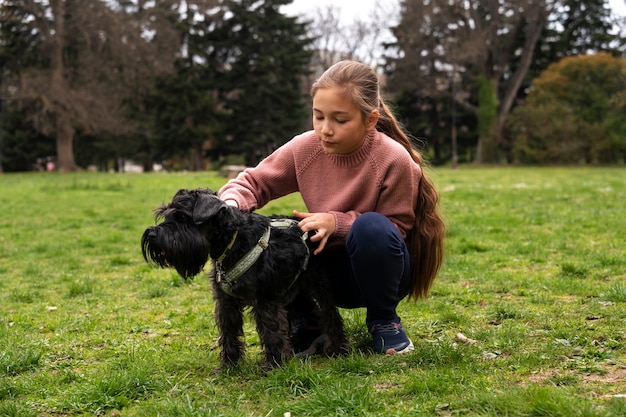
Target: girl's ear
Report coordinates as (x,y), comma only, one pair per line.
(372,119)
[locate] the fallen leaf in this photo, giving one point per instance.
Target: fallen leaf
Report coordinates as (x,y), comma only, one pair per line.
(462,338)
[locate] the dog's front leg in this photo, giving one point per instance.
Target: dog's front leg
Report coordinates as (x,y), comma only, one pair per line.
(273,328)
(332,323)
(229,317)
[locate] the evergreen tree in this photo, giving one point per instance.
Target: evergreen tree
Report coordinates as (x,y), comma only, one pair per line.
(578,27)
(236,88)
(169,102)
(17,49)
(259,57)
(23,148)
(186,116)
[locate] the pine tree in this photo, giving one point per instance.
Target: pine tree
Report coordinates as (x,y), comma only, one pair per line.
(261,60)
(17,49)
(577,28)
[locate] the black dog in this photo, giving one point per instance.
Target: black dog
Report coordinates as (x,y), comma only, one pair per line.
(257,261)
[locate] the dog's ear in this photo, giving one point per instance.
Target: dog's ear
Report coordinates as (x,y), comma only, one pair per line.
(207,205)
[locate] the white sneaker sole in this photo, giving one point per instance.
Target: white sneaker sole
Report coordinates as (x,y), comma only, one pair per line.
(409,348)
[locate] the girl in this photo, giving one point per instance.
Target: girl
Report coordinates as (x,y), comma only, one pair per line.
(374,212)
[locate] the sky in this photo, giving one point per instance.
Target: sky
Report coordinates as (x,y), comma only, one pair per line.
(360,8)
(619,6)
(363,7)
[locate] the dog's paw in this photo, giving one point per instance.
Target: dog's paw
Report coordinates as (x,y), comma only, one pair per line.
(335,348)
(271,364)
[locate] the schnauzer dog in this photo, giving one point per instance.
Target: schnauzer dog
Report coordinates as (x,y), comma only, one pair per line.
(257,261)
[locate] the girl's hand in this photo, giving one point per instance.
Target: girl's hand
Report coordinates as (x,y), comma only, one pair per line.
(322,223)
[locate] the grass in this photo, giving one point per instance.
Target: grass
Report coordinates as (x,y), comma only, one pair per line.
(535,273)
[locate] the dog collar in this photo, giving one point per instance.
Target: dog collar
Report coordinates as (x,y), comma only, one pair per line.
(228,248)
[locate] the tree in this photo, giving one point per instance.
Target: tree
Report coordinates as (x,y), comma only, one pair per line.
(360,39)
(89,55)
(334,38)
(186,115)
(236,88)
(17,49)
(175,112)
(23,148)
(257,57)
(578,27)
(475,40)
(574,112)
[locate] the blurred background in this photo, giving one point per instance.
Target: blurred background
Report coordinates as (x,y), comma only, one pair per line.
(143,85)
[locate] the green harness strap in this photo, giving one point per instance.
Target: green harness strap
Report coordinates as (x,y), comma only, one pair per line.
(227,279)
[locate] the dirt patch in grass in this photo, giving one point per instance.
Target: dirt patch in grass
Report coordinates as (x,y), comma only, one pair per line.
(615,376)
(612,376)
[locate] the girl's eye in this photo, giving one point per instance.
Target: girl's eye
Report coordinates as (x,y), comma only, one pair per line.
(339,121)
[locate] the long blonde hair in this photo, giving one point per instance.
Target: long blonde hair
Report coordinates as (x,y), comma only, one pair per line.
(425,240)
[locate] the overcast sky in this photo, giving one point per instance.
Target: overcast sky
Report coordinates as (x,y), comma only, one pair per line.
(363,7)
(349,8)
(619,6)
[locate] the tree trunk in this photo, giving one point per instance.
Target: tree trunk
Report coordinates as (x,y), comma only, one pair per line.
(60,93)
(535,22)
(197,159)
(65,144)
(487,118)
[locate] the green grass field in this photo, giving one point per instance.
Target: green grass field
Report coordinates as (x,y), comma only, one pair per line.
(534,276)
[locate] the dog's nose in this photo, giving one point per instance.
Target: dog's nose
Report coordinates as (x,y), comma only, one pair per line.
(153,233)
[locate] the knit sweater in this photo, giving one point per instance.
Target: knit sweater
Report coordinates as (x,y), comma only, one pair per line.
(380,177)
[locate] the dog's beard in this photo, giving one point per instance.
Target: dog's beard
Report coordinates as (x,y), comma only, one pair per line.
(173,245)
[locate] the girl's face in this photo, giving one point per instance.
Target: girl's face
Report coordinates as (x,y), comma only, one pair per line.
(338,123)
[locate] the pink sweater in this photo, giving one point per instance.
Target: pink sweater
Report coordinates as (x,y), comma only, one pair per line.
(379,177)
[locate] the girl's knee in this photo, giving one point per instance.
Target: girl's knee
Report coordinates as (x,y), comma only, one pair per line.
(370,225)
(373,231)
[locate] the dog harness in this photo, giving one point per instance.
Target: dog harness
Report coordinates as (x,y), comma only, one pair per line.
(227,279)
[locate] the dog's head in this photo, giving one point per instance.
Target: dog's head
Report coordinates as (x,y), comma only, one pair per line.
(180,241)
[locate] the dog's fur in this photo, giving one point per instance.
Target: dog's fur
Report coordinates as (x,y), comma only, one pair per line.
(198,226)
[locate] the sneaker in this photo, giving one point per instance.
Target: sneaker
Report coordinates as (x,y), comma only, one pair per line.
(306,338)
(391,339)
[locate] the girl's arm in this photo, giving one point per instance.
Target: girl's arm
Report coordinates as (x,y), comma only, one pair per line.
(253,188)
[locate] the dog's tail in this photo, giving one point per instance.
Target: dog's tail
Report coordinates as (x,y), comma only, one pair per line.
(426,239)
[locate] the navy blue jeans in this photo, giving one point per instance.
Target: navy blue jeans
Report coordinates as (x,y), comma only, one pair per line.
(373,270)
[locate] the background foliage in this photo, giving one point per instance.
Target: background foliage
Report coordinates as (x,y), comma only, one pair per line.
(195,84)
(572,112)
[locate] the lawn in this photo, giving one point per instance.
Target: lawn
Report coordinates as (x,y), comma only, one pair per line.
(526,318)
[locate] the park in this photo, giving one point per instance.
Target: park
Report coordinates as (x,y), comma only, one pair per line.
(525,318)
(107,108)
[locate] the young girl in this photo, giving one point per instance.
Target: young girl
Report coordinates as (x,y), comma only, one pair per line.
(374,212)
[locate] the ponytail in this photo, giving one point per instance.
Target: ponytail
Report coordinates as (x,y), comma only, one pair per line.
(425,240)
